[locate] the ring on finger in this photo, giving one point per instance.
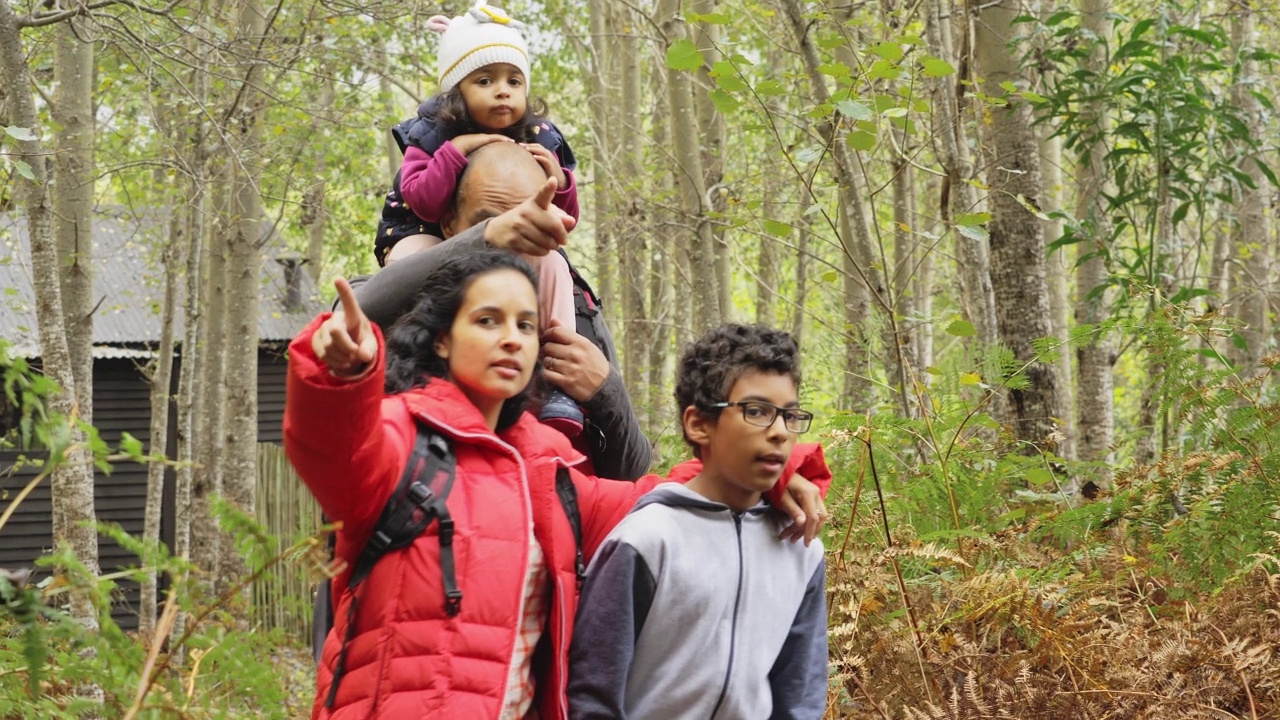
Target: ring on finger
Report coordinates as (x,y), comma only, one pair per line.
(549,363)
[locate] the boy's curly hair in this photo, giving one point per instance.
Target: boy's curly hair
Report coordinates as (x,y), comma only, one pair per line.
(452,119)
(711,365)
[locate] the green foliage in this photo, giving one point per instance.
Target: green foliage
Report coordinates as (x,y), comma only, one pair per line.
(1175,142)
(217,667)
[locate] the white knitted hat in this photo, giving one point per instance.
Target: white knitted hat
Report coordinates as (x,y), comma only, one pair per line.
(482,36)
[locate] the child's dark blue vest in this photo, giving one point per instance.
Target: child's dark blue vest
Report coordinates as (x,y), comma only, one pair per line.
(421,131)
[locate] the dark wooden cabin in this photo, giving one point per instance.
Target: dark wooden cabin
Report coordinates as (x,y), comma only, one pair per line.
(126,333)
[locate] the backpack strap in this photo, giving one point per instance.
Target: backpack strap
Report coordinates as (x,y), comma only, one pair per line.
(418,500)
(568,494)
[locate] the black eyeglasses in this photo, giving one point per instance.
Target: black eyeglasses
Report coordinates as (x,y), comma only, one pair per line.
(762,414)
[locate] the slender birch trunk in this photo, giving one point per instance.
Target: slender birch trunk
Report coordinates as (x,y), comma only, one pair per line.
(1095,419)
(72,480)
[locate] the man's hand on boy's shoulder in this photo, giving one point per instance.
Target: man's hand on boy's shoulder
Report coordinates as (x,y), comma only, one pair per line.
(802,502)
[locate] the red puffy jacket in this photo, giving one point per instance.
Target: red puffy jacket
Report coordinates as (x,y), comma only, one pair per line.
(409,659)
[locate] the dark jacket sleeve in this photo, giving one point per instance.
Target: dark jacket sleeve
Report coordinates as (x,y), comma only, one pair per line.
(619,449)
(799,675)
(392,291)
(616,444)
(612,610)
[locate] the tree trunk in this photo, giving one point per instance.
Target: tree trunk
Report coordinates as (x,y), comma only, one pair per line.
(1094,360)
(958,196)
(161,391)
(389,110)
(711,132)
(797,317)
(698,236)
(206,541)
(1016,235)
(1254,245)
(314,212)
(662,280)
(244,267)
(924,285)
(72,480)
(1057,269)
(193,379)
(632,262)
(904,268)
(73,171)
(864,285)
(602,170)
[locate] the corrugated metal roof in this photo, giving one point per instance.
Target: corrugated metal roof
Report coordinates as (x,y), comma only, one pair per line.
(129,284)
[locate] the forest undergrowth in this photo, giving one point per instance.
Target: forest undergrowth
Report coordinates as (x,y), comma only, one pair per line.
(971,577)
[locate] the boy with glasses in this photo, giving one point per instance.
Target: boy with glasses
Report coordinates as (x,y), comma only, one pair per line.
(693,606)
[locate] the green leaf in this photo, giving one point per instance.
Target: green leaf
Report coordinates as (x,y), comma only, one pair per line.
(829,276)
(981,218)
(973,232)
(683,55)
(1034,97)
(727,77)
(1039,476)
(25,170)
(709,18)
(861,140)
(777,229)
(839,71)
(1008,86)
(971,378)
(884,70)
(935,67)
(723,101)
(961,328)
(1266,170)
(855,110)
(770,88)
(831,41)
(20,133)
(889,51)
(809,154)
(131,446)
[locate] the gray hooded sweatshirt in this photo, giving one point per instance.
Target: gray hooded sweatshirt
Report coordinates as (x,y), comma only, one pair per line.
(692,610)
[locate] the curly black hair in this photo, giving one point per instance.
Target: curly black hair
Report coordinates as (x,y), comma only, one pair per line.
(711,365)
(411,342)
(451,118)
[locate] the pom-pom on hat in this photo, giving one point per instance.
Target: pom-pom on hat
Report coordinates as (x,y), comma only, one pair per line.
(482,36)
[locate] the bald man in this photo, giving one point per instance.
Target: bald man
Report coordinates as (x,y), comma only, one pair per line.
(503,201)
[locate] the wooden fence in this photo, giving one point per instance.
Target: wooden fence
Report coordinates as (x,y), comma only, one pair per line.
(284,506)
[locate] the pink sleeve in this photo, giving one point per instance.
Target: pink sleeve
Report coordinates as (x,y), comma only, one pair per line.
(336,437)
(555,291)
(567,199)
(427,182)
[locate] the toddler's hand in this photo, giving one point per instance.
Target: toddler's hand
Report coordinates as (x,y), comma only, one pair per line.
(549,164)
(467,144)
(345,342)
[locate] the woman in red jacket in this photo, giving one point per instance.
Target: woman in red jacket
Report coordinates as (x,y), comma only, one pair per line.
(461,362)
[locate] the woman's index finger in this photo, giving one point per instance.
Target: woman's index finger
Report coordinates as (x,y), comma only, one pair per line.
(347,297)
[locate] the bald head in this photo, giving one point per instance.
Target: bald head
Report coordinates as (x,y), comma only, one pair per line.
(498,176)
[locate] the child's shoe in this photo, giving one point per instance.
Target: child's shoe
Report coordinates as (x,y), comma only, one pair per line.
(563,414)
